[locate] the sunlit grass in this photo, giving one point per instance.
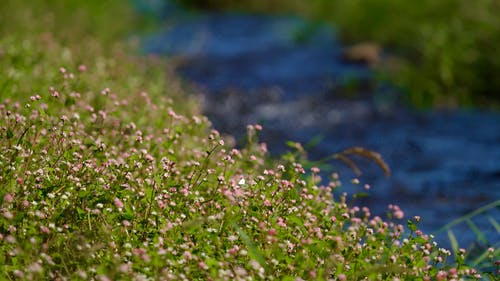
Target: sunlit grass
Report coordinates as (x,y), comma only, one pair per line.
(109,172)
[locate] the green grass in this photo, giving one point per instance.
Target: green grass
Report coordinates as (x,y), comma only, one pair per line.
(442,53)
(483,251)
(109,172)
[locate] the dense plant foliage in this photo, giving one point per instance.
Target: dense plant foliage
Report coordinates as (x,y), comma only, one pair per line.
(109,172)
(445,51)
(119,185)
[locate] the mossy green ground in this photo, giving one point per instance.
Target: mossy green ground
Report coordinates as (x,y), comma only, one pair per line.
(109,172)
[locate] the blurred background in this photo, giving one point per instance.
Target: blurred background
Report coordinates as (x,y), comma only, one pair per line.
(446,52)
(416,82)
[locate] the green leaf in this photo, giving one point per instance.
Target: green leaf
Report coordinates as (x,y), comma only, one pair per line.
(297,221)
(313,142)
(412,226)
(128,213)
(361,195)
(69,101)
(291,144)
(253,251)
(10,134)
(420,240)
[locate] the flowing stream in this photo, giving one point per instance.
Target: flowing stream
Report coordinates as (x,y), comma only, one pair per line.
(290,77)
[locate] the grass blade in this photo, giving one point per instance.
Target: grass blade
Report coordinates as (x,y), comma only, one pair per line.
(253,251)
(480,236)
(481,258)
(453,242)
(468,216)
(494,223)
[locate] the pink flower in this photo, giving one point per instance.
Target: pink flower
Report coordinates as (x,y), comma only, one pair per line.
(161,204)
(18,273)
(234,250)
(185,191)
(203,265)
(118,203)
(453,271)
(441,275)
(82,68)
(8,198)
(281,222)
(44,229)
(125,267)
(8,215)
(399,214)
(104,278)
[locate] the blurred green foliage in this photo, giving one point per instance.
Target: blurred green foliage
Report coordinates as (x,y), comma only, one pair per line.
(71,21)
(37,37)
(444,53)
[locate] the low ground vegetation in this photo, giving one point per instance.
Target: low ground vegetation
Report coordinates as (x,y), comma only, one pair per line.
(109,172)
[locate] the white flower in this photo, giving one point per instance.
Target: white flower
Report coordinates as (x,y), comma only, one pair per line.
(242,181)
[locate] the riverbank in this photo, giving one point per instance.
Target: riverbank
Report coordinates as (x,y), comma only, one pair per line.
(251,69)
(442,53)
(109,172)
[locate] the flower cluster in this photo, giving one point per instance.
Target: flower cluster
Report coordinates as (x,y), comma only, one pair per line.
(110,173)
(111,186)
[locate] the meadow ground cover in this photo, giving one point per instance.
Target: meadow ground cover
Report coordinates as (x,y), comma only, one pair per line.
(443,52)
(109,172)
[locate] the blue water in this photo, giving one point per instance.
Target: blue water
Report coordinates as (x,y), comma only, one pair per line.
(258,69)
